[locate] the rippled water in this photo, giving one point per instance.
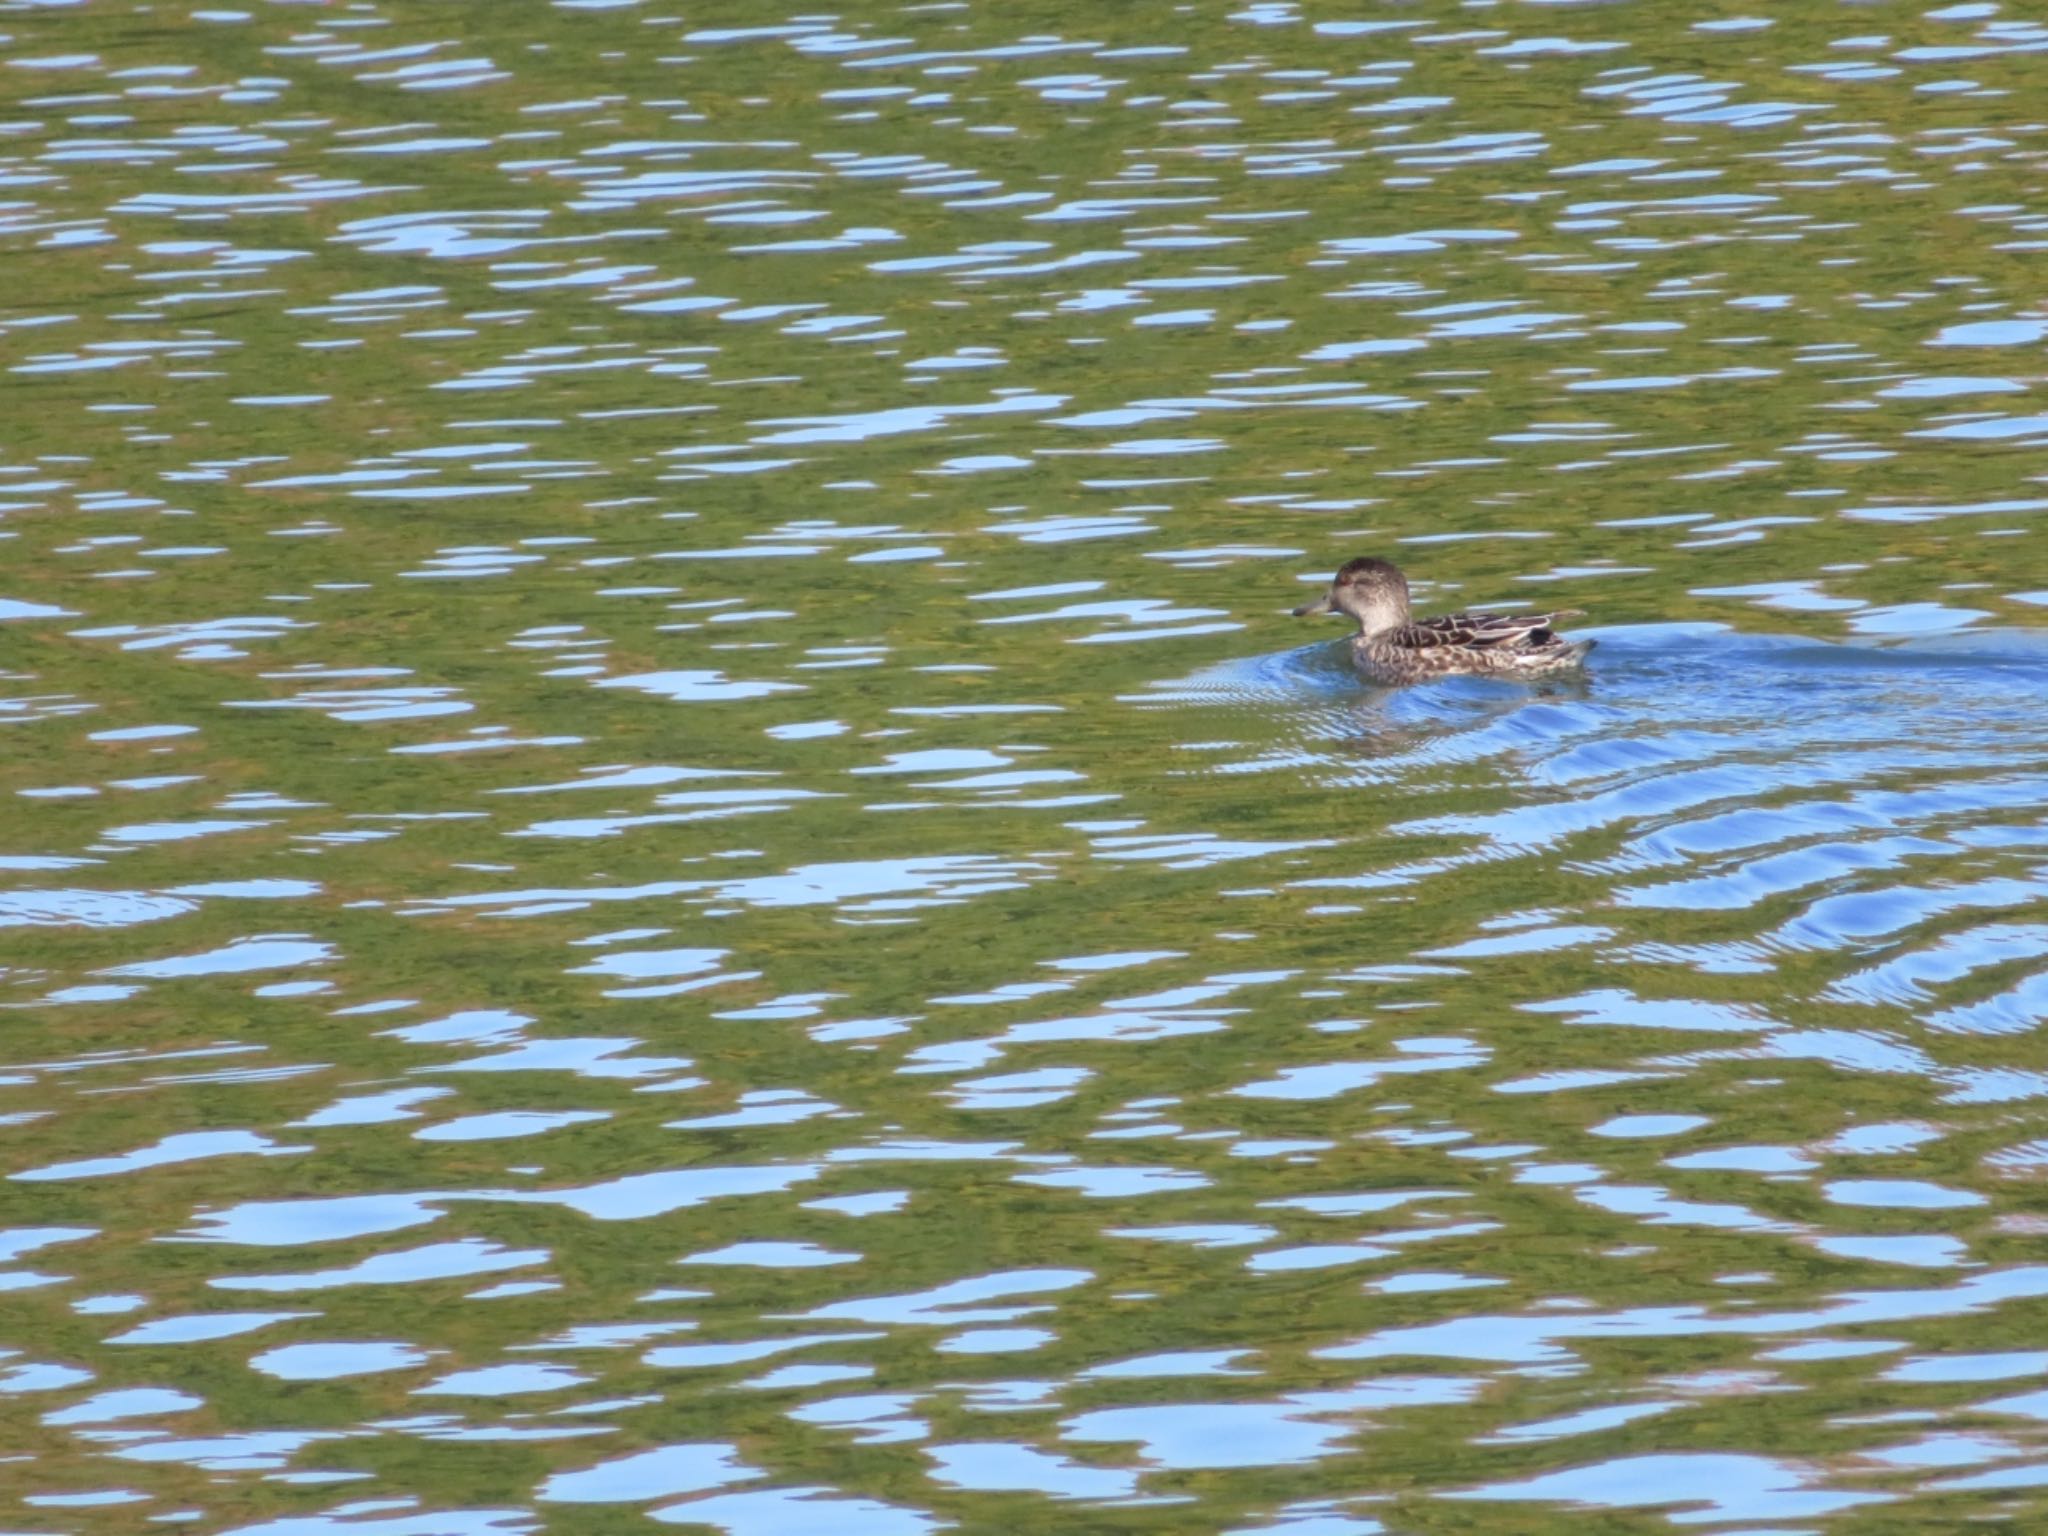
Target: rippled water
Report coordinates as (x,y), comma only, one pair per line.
(668,857)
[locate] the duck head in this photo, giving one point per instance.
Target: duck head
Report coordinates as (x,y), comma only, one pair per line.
(1374,592)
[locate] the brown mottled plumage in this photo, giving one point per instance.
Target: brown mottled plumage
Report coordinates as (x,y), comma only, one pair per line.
(1393,647)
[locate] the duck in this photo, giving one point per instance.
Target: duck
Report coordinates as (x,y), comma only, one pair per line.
(1392,647)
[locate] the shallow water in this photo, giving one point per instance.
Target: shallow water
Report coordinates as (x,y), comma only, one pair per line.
(669,859)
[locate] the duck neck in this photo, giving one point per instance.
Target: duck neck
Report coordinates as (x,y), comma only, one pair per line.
(1378,618)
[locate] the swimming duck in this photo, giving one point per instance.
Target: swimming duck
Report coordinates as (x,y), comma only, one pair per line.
(1392,647)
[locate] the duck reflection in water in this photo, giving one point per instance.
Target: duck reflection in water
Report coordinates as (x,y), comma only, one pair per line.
(1392,647)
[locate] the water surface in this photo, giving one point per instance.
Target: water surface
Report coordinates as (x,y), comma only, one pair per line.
(668,860)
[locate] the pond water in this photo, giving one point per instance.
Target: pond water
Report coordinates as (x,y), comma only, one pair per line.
(669,861)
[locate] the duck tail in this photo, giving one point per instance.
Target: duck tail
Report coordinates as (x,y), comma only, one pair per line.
(1579,651)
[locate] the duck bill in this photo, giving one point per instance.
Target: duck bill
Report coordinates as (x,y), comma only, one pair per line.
(1322,604)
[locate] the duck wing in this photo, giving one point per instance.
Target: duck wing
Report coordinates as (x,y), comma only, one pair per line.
(1482,631)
